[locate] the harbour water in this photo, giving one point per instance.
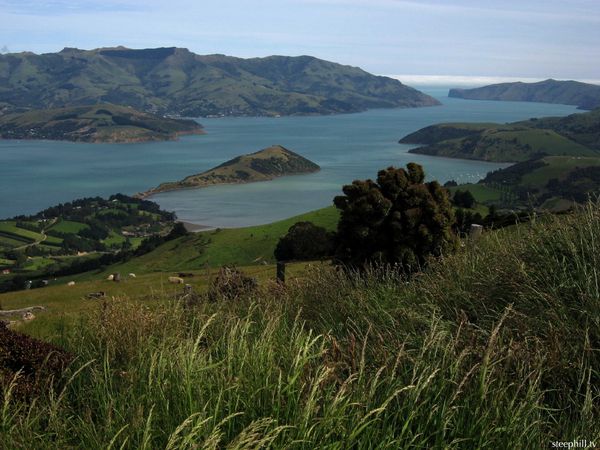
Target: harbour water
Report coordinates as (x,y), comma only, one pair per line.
(38,174)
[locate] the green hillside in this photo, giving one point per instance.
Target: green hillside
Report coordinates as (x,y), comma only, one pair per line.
(263,165)
(214,248)
(581,128)
(99,123)
(574,135)
(179,82)
(476,351)
(84,231)
(584,95)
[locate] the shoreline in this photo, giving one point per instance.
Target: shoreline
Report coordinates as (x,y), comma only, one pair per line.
(151,193)
(175,137)
(195,227)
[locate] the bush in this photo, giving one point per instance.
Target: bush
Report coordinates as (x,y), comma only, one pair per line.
(399,219)
(304,241)
(231,284)
(463,199)
(35,362)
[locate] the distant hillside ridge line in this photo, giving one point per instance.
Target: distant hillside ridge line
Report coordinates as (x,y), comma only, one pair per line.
(101,123)
(572,135)
(583,95)
(178,82)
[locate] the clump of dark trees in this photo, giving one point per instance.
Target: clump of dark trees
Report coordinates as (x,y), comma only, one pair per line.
(305,241)
(89,239)
(397,220)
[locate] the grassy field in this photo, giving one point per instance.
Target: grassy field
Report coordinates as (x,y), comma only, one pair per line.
(114,239)
(11,242)
(546,141)
(65,303)
(68,226)
(234,246)
(557,167)
(9,227)
(37,263)
(493,347)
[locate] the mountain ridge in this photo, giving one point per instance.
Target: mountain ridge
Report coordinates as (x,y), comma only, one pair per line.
(176,81)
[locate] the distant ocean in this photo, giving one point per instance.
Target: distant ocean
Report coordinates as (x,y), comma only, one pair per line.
(38,174)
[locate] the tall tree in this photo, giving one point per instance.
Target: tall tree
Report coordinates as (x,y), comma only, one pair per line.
(398,219)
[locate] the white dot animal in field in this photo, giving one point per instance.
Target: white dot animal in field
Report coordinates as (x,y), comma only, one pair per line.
(71,283)
(111,277)
(175,280)
(132,275)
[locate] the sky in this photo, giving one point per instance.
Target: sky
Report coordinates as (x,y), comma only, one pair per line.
(430,40)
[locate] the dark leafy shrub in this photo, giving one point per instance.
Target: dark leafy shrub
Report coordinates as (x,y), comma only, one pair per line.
(304,241)
(463,199)
(398,219)
(231,284)
(35,363)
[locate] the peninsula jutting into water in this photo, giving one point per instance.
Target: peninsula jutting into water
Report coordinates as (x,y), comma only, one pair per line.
(263,165)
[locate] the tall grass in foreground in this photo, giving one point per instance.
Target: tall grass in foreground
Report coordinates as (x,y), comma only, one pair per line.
(494,347)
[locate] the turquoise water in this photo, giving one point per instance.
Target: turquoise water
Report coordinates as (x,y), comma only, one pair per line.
(38,174)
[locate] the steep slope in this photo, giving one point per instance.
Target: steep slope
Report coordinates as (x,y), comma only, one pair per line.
(99,123)
(581,128)
(264,165)
(552,182)
(584,95)
(177,81)
(575,135)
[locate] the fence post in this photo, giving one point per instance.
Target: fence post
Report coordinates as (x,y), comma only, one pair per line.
(475,231)
(281,272)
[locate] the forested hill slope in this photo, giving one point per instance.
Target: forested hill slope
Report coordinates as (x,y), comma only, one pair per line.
(177,81)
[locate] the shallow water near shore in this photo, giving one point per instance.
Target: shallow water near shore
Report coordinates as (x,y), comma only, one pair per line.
(38,174)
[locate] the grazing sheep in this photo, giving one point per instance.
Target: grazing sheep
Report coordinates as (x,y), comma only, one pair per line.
(71,283)
(111,277)
(176,280)
(132,275)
